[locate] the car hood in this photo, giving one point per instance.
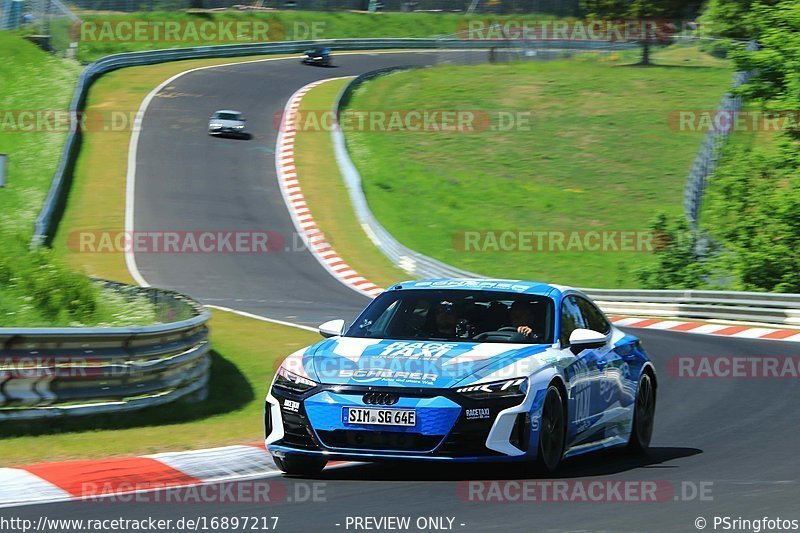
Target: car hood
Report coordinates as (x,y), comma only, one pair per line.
(404,363)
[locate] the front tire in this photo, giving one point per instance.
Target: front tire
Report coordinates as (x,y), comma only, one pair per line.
(643,415)
(300,466)
(552,431)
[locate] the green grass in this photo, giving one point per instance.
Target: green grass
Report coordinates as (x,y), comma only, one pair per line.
(600,155)
(30,80)
(246,353)
(36,289)
(284,26)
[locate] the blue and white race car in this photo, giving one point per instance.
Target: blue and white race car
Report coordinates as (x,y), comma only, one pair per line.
(463,370)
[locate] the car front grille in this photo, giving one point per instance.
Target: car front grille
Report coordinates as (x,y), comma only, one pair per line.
(379,440)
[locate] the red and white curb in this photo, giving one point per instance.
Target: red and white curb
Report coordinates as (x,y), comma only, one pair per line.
(80,480)
(704,328)
(298,209)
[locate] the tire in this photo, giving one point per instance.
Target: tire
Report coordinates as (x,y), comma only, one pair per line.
(300,466)
(643,415)
(552,431)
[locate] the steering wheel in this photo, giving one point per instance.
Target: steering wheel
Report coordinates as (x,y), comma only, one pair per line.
(507,333)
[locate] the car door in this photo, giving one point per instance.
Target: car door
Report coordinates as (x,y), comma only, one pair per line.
(584,375)
(612,365)
(623,366)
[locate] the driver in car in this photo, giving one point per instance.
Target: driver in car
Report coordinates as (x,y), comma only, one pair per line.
(521,318)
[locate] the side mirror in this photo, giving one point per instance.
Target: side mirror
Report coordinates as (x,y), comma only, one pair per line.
(582,339)
(332,328)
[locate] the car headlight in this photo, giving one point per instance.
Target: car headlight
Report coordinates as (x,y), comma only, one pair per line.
(214,125)
(239,126)
(508,388)
(290,382)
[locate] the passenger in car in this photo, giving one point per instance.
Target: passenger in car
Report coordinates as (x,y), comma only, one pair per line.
(445,319)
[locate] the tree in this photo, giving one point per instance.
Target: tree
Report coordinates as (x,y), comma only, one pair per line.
(674,10)
(752,207)
(776,64)
(728,18)
(753,212)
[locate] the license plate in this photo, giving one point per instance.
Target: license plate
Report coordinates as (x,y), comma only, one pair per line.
(380,417)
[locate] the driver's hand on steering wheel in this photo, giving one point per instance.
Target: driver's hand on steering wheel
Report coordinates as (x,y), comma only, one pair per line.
(525,330)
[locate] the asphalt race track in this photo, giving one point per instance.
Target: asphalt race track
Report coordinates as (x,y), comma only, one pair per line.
(736,440)
(187,180)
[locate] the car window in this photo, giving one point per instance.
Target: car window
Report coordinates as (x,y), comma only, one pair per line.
(383,320)
(457,315)
(571,319)
(593,317)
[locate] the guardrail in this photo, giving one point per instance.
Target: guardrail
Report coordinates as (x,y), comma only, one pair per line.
(768,308)
(760,307)
(51,372)
(53,207)
(705,162)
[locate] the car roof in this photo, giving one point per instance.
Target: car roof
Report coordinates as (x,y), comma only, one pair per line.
(484,284)
(228,111)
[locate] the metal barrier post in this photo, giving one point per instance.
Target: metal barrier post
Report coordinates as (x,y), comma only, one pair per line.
(3,166)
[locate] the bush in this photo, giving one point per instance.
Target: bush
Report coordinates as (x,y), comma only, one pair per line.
(753,211)
(678,265)
(38,289)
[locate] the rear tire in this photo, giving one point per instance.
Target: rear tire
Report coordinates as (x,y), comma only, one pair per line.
(552,431)
(300,466)
(643,415)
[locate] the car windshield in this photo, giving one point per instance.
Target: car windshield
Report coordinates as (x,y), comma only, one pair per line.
(227,116)
(457,315)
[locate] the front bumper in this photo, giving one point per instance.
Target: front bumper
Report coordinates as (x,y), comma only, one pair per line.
(449,426)
(225,131)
